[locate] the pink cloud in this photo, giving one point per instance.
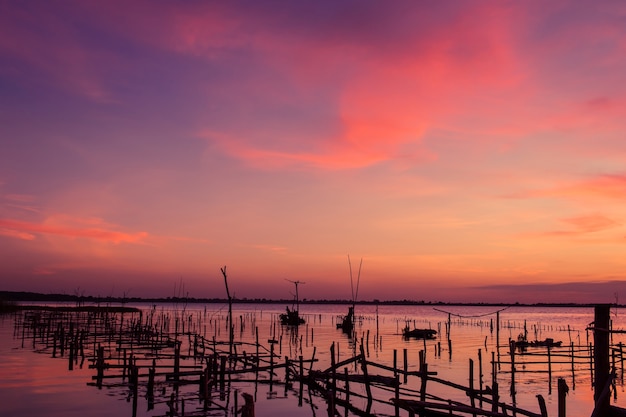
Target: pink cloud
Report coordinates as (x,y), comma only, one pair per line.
(601,186)
(85,228)
(585,225)
(388,93)
(16,233)
(271,248)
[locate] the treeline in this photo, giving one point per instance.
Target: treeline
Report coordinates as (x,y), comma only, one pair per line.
(24,296)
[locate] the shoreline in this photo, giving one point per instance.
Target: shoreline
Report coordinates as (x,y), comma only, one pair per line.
(25,296)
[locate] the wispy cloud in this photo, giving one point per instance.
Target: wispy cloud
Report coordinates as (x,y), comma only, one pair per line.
(79,228)
(606,186)
(271,248)
(584,225)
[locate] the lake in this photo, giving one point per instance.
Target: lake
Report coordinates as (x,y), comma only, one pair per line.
(34,383)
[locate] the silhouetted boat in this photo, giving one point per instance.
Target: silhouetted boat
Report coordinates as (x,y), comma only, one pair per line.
(346,323)
(292,317)
(522,343)
(419,333)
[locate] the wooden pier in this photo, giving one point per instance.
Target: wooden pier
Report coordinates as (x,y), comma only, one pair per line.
(168,359)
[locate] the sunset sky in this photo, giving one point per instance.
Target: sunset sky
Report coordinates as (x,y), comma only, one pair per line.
(465,150)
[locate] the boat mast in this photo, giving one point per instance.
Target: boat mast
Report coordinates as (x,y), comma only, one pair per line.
(296,283)
(355,294)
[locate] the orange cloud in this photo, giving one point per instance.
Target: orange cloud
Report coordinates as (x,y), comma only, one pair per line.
(585,224)
(603,186)
(27,230)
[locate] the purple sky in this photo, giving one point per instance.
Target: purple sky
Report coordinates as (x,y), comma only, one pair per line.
(460,148)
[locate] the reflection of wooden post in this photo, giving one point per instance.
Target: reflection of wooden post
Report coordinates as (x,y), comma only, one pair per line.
(496,397)
(601,356)
(345,372)
(248,409)
(100,366)
(71,356)
(368,389)
(397,396)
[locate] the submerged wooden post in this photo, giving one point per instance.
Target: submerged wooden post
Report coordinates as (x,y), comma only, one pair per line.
(601,356)
(368,389)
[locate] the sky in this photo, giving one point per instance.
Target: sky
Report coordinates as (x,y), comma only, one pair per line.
(465,151)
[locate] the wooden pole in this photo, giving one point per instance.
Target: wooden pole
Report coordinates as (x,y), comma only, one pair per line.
(562,392)
(471,384)
(397,394)
(406,365)
(542,405)
(549,371)
(231,329)
(345,372)
(512,352)
(601,356)
(480,375)
(300,358)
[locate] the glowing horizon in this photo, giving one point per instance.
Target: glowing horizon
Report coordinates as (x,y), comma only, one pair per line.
(466,151)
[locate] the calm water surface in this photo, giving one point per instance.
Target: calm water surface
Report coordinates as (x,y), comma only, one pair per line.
(35,384)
